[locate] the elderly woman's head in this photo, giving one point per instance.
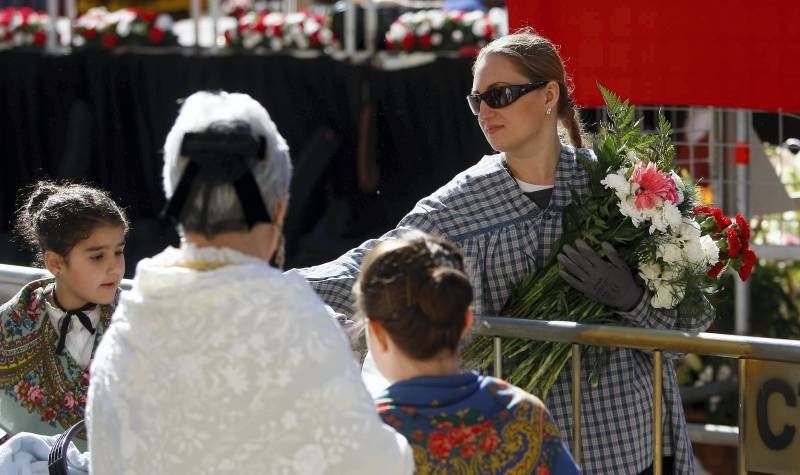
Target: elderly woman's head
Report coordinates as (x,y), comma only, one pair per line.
(226,170)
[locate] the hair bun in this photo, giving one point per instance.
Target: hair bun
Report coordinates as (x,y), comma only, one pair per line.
(40,192)
(444,290)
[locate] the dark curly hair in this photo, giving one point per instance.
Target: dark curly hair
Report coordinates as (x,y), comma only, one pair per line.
(57,216)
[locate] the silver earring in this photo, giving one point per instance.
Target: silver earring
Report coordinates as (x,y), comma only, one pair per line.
(549,110)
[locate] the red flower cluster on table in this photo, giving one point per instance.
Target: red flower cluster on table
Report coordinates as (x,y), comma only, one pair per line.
(22,27)
(99,28)
(467,439)
(275,31)
(733,239)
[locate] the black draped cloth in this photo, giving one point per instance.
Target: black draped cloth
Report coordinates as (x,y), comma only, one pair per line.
(103,117)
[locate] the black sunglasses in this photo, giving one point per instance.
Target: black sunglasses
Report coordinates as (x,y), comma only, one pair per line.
(502,96)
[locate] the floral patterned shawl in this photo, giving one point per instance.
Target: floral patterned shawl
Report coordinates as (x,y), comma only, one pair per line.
(52,387)
(474,424)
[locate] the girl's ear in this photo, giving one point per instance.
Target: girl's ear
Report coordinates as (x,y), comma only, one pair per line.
(468,320)
(552,93)
(379,337)
(53,262)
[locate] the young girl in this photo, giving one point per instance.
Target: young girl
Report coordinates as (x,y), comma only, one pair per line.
(415,297)
(50,329)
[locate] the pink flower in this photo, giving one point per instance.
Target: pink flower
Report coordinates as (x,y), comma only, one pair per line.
(69,401)
(21,390)
(35,395)
(654,185)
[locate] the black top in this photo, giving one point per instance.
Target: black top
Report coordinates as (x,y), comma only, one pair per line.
(540,197)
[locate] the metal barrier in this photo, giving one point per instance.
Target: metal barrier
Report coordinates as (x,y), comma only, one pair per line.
(657,341)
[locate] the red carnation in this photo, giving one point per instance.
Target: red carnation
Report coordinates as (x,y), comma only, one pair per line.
(408,41)
(489,31)
(228,37)
(89,33)
(744,229)
(149,17)
(713,273)
(734,245)
(109,40)
(313,38)
(25,13)
(748,262)
(39,38)
(702,210)
(718,217)
(723,223)
(156,36)
(425,42)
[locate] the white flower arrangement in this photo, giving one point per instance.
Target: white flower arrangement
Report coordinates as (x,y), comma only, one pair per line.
(437,30)
(20,27)
(99,28)
(276,31)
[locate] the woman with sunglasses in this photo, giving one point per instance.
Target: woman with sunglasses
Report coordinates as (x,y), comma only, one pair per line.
(505,213)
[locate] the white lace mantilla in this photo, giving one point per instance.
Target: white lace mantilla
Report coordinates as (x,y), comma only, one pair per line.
(237,369)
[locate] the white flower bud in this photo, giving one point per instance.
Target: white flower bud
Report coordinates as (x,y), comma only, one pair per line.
(163,22)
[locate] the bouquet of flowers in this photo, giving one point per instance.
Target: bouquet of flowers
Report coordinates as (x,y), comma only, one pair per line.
(276,31)
(437,30)
(22,27)
(97,28)
(638,204)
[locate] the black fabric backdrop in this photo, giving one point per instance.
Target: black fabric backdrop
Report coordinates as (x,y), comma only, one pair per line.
(103,117)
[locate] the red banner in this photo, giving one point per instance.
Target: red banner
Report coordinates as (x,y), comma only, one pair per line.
(681,52)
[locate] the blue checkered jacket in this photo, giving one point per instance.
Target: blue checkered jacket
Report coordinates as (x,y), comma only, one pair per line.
(505,236)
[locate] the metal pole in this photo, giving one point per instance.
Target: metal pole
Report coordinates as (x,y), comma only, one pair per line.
(658,448)
(498,358)
(72,13)
(742,460)
(213,10)
(194,11)
(742,289)
(290,6)
(350,28)
(717,156)
(52,34)
(370,26)
(576,403)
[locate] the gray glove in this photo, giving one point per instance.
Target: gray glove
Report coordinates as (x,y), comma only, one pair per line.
(608,281)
